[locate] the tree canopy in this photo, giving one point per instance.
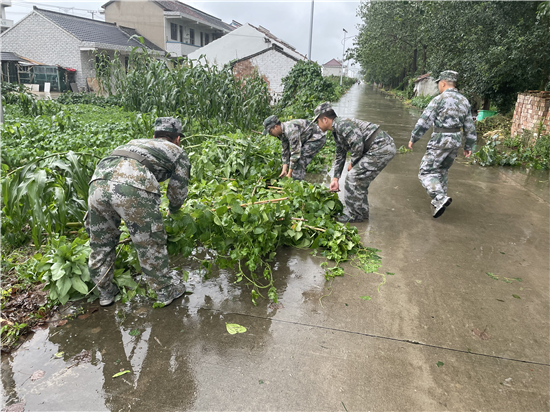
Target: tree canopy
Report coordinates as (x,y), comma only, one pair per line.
(499,48)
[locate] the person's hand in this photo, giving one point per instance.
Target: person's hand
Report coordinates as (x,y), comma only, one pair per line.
(334,185)
(349,166)
(410,145)
(467,153)
(284,171)
(289,174)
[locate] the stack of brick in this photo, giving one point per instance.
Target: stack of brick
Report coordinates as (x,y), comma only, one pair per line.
(532,109)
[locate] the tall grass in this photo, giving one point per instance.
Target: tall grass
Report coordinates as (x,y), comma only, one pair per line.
(189,89)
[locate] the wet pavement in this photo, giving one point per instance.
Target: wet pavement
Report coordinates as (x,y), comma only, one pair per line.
(440,334)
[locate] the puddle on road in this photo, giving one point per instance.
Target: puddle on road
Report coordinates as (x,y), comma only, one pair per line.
(162,348)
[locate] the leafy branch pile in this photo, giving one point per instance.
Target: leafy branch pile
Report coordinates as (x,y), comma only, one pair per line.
(237,213)
(501,149)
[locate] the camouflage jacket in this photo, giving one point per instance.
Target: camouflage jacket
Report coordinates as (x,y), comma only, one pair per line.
(448,110)
(169,162)
(294,134)
(350,135)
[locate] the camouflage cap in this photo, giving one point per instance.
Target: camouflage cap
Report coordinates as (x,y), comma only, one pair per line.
(270,122)
(449,75)
(319,110)
(167,124)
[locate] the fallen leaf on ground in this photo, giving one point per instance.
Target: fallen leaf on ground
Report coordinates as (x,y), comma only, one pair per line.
(83,316)
(37,375)
(59,355)
(116,375)
(516,296)
(366,297)
(233,328)
(61,323)
(481,334)
(439,364)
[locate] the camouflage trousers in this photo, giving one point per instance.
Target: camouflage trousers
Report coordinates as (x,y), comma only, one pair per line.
(363,173)
(434,169)
(309,150)
(108,203)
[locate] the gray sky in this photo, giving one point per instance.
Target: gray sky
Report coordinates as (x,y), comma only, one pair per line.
(288,20)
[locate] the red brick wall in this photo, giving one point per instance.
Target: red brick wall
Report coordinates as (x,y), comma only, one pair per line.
(531,109)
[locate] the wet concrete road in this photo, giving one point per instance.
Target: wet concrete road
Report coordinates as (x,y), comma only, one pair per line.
(490,337)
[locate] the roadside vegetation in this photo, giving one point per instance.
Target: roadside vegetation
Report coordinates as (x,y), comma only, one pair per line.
(498,148)
(236,217)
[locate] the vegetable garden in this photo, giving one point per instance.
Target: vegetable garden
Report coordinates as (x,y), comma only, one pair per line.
(237,214)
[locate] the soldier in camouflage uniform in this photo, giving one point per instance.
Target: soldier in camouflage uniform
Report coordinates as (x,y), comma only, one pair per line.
(371,150)
(450,113)
(125,185)
(301,141)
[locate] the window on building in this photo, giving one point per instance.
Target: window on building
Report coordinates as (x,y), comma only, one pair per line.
(181,34)
(202,39)
(191,36)
(206,38)
(174,31)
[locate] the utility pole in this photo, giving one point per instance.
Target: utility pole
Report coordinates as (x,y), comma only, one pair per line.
(343,51)
(310,30)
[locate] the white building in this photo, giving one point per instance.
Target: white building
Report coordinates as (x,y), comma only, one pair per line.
(5,24)
(173,26)
(250,48)
(425,85)
(333,68)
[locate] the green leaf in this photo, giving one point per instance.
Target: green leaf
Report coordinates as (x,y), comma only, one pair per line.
(116,375)
(440,364)
(259,230)
(134,332)
(516,296)
(233,328)
(78,285)
(63,286)
(366,297)
(57,271)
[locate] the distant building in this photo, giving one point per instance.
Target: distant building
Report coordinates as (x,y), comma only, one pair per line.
(425,85)
(333,68)
(58,39)
(173,26)
(5,24)
(249,48)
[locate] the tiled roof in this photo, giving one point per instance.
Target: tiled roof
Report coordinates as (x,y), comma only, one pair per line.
(200,16)
(14,57)
(332,63)
(94,31)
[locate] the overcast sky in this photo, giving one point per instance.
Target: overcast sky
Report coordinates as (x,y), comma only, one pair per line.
(288,20)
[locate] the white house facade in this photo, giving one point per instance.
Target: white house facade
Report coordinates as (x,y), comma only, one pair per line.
(173,26)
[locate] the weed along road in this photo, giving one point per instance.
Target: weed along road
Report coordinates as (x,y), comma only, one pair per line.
(457,318)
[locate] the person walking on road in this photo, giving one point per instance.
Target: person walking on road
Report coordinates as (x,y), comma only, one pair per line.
(125,185)
(450,114)
(371,150)
(301,140)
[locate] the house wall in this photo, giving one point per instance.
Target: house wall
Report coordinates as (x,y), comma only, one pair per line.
(271,65)
(38,39)
(531,110)
(144,16)
(426,87)
(239,43)
(331,71)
